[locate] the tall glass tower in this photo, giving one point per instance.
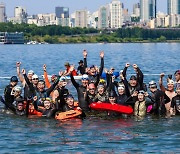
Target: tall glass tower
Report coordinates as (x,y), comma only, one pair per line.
(173,6)
(147,9)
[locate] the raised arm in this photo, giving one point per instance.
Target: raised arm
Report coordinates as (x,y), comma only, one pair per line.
(48,84)
(49,90)
(75,84)
(21,78)
(85,58)
(102,63)
(161,82)
(125,69)
(140,75)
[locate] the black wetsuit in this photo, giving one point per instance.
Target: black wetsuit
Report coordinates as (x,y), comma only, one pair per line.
(49,113)
(7,95)
(67,108)
(176,103)
(14,109)
(81,91)
(159,98)
(82,69)
(140,85)
(44,93)
(63,92)
(94,77)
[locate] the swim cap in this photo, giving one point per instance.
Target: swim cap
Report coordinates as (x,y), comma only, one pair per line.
(133,77)
(92,66)
(47,99)
(152,84)
(177,72)
(101,85)
(102,81)
(85,77)
(35,76)
(121,87)
(30,72)
(17,88)
(69,96)
(170,82)
(80,62)
(14,79)
(66,64)
(141,92)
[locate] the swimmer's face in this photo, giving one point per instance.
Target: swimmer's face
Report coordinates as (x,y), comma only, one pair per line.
(41,86)
(92,91)
(178,91)
(85,82)
(100,90)
(170,87)
(141,97)
(47,104)
(20,106)
(92,71)
(121,91)
(17,93)
(177,77)
(70,101)
(13,84)
(31,106)
(133,83)
(112,100)
(35,81)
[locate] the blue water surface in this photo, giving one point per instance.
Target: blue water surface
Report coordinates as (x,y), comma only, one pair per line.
(93,134)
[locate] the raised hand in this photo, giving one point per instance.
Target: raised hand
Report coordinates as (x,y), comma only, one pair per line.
(102,54)
(127,65)
(84,53)
(61,73)
(18,64)
(135,66)
(44,67)
(162,75)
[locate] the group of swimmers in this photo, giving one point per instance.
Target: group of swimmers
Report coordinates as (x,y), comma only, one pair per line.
(46,98)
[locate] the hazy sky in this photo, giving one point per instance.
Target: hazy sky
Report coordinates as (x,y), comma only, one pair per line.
(48,6)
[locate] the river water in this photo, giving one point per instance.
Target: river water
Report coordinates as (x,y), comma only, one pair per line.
(91,135)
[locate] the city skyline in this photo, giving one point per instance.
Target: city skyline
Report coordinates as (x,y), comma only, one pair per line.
(73,6)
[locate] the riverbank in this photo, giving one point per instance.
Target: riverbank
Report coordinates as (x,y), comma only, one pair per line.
(97,39)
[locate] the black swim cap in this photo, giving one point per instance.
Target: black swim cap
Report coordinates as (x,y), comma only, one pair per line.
(14,79)
(133,77)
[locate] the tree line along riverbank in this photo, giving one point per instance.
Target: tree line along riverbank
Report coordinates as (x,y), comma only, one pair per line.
(59,34)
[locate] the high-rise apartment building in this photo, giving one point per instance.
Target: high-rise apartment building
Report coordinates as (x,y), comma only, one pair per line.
(103,14)
(20,15)
(2,13)
(81,18)
(147,10)
(173,6)
(62,12)
(116,14)
(136,10)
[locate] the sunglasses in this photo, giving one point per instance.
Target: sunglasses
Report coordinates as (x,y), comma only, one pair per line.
(35,79)
(92,89)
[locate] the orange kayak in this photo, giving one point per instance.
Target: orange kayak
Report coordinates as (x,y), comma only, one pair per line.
(67,114)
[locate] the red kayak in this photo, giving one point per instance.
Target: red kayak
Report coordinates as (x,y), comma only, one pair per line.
(111,107)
